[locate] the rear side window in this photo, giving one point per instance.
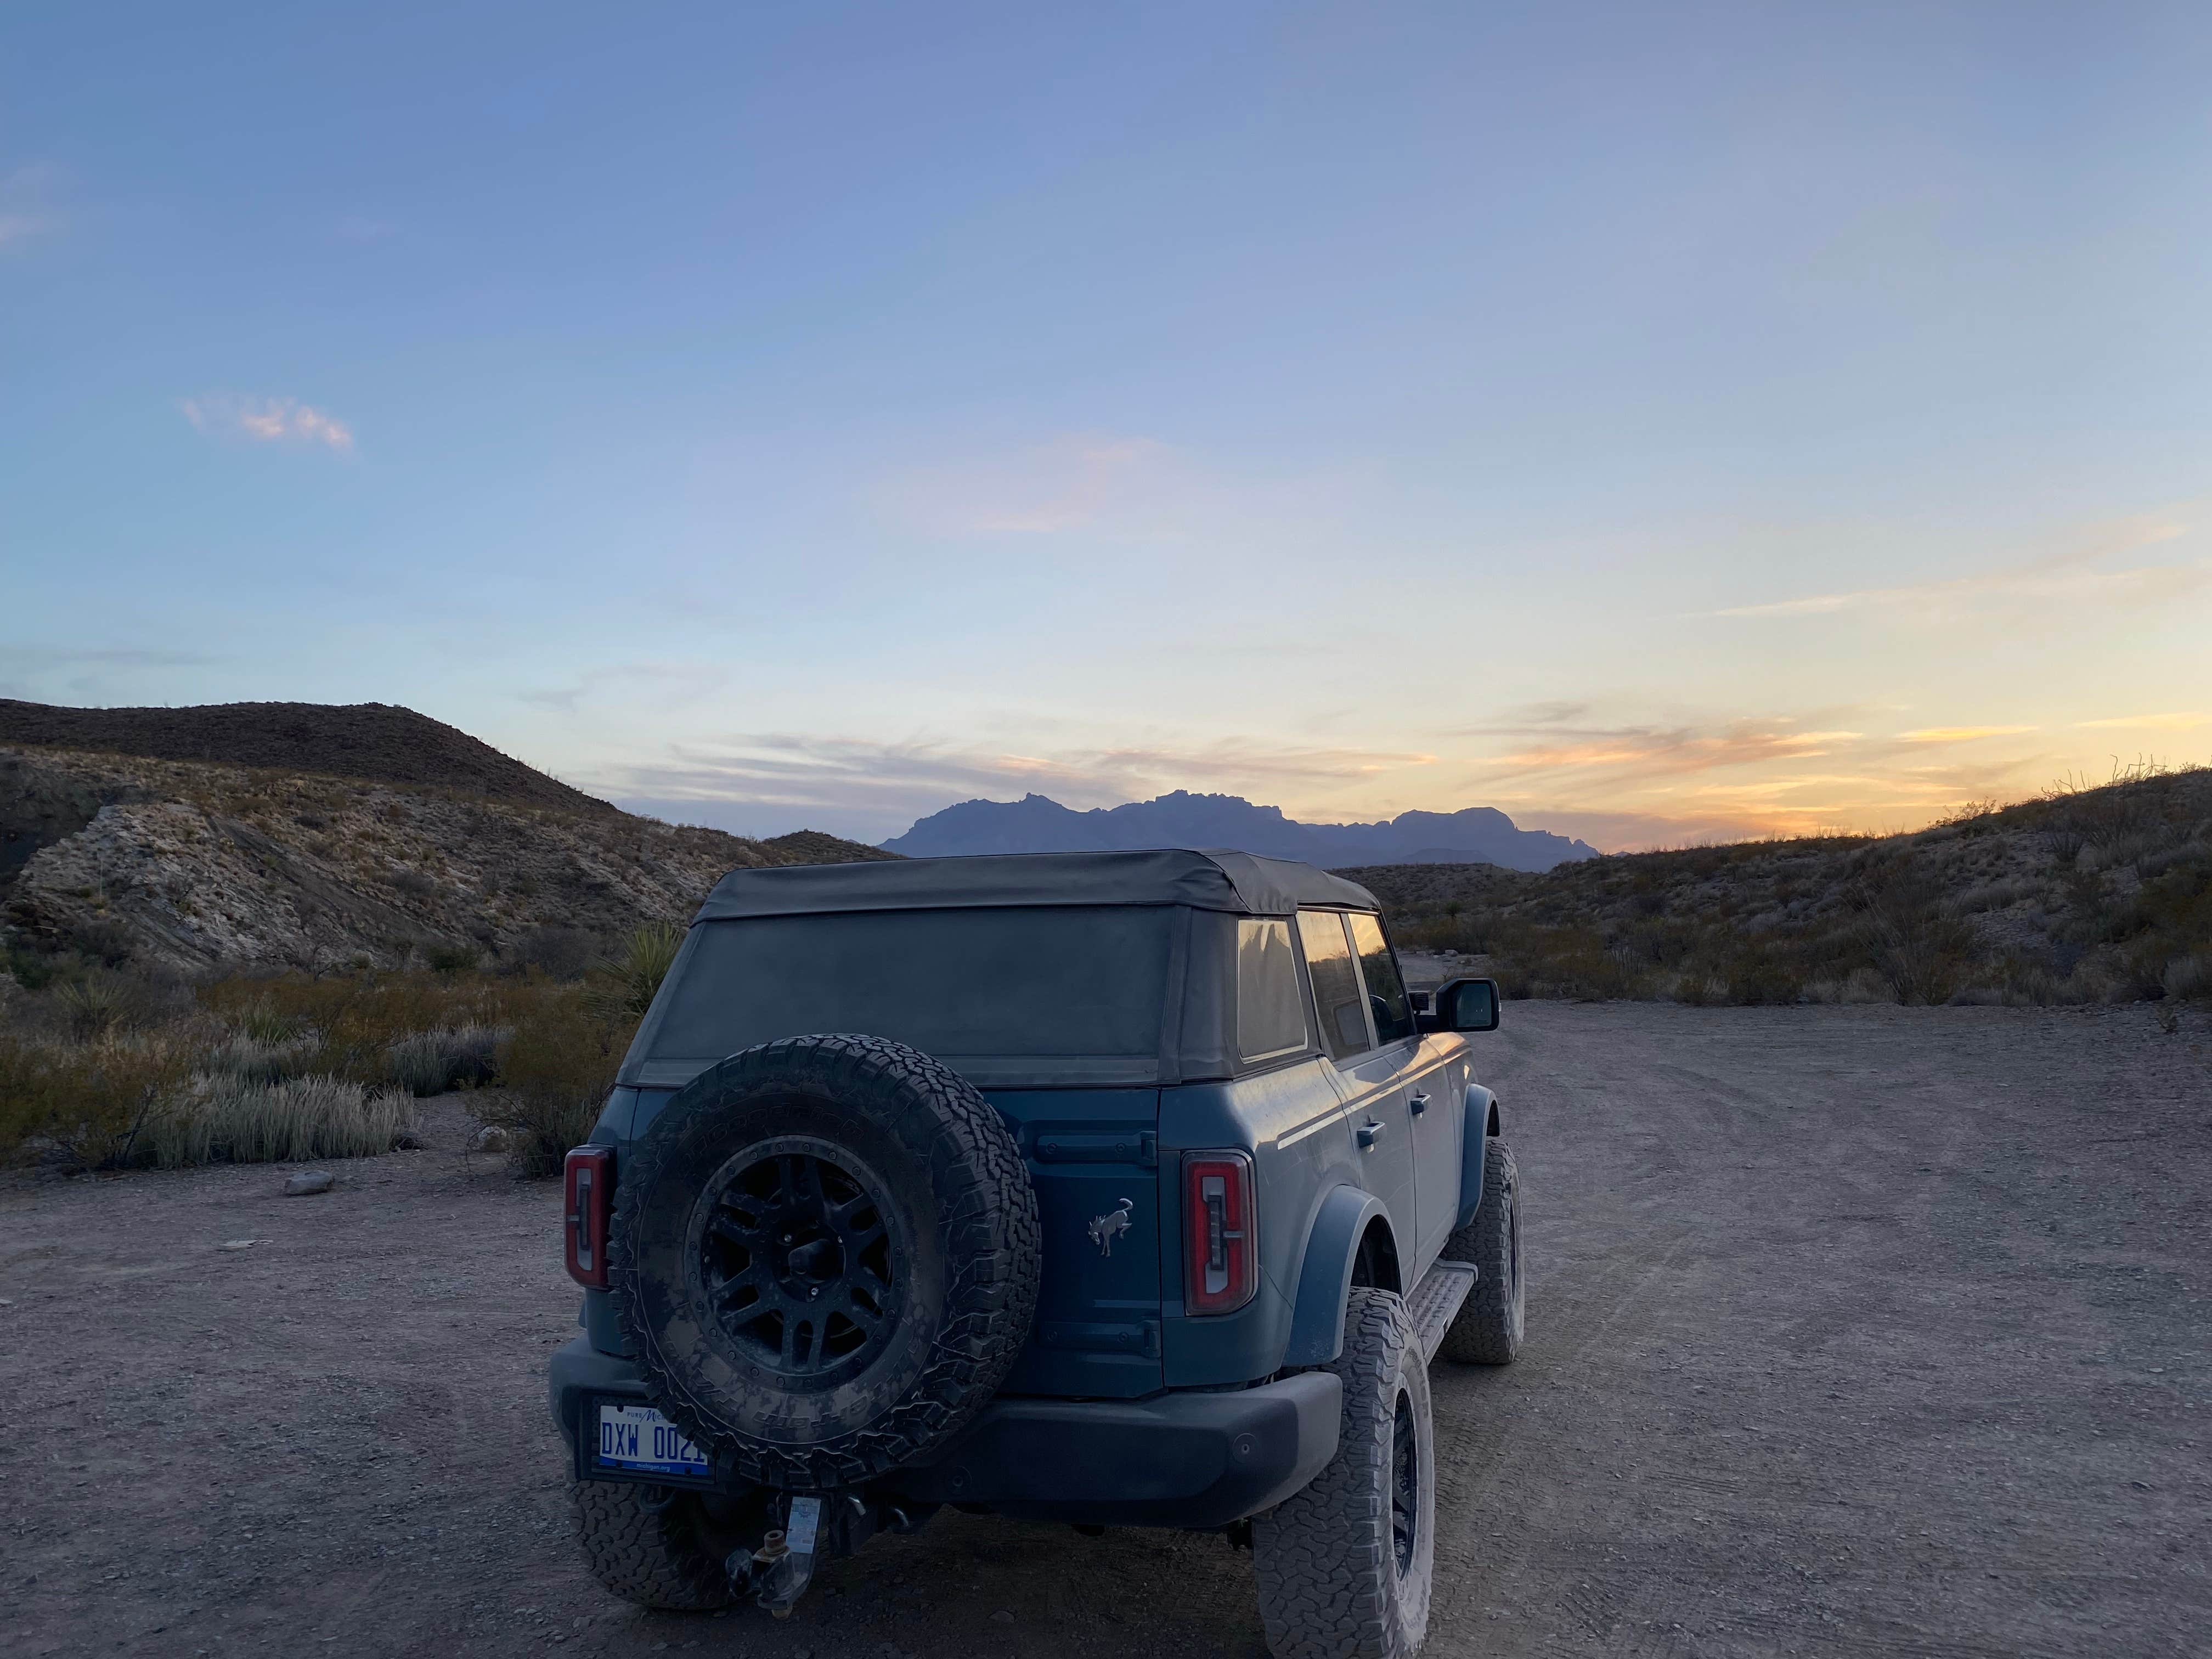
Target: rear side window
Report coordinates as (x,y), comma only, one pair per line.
(1339,1002)
(1386,990)
(1271,1019)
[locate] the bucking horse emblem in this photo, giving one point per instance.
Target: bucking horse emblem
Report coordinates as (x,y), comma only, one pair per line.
(1105,1228)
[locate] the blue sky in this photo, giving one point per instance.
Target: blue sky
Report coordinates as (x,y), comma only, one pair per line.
(1660,423)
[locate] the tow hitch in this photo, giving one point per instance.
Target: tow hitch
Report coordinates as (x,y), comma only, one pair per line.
(817,1525)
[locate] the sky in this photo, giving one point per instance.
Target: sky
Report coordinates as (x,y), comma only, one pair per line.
(1663,423)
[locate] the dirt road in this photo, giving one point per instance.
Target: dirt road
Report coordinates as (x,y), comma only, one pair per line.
(1853,1331)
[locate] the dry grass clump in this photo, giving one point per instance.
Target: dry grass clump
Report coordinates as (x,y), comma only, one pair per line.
(229,1120)
(453,1057)
(247,1068)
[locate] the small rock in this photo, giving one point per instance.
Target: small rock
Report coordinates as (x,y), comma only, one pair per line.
(491,1138)
(308,1181)
(238,1243)
(1002,1617)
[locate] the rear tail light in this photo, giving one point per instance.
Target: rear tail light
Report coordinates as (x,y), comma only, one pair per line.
(1221,1236)
(589,1179)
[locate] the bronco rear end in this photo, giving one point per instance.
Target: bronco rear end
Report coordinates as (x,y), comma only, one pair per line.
(988,1182)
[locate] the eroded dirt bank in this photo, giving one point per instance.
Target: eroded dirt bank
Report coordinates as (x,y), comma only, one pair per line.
(1854,1330)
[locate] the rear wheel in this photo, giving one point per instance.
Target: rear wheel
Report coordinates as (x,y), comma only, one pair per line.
(1345,1565)
(1491,1322)
(651,1545)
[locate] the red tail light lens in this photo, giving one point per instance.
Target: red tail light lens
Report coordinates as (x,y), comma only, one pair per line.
(589,1180)
(1221,1234)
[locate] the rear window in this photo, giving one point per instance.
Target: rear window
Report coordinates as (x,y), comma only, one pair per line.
(1270,1016)
(1073,993)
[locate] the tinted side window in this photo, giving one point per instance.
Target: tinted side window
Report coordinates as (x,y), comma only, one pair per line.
(1339,1000)
(1270,1018)
(1386,991)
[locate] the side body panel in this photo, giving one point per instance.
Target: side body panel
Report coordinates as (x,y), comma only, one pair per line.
(1436,1086)
(1292,1118)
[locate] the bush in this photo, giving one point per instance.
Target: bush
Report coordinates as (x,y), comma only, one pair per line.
(456,1057)
(84,1103)
(627,981)
(226,1120)
(556,1070)
(92,1007)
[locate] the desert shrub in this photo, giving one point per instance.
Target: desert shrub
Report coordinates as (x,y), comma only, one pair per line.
(2188,976)
(31,970)
(85,1104)
(455,1057)
(626,982)
(104,939)
(561,952)
(229,1120)
(554,1071)
(451,959)
(263,1021)
(92,1007)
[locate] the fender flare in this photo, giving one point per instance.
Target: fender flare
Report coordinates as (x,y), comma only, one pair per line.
(1325,1279)
(1479,1124)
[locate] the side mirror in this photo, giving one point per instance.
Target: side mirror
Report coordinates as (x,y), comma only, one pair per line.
(1467,1005)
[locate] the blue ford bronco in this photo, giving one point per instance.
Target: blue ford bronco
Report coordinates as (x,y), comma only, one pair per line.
(1116,1189)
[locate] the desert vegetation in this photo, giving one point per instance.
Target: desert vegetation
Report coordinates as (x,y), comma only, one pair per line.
(2088,895)
(104,1068)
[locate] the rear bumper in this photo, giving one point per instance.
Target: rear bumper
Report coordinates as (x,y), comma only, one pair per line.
(1176,1460)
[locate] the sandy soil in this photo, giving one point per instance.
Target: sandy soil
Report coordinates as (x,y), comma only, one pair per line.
(1853,1331)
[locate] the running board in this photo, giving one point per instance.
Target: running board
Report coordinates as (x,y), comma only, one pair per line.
(1435,1302)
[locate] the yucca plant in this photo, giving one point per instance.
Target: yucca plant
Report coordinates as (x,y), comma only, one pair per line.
(624,983)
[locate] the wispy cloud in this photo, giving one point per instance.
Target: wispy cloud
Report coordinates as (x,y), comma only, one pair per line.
(900,780)
(1960,733)
(2083,575)
(268,420)
(26,208)
(2177,722)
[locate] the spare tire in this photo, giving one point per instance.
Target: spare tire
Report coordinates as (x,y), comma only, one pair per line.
(825,1255)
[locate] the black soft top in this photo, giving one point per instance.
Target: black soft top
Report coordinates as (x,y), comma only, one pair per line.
(1240,883)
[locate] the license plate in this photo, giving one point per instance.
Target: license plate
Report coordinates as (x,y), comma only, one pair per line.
(639,1440)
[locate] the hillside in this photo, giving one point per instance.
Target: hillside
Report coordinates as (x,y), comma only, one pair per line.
(2103,894)
(371,740)
(1037,823)
(191,865)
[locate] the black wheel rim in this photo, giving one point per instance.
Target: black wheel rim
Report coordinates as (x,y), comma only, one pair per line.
(798,1264)
(1404,1484)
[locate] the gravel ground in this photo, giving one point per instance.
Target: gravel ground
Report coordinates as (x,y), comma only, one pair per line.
(1852,1331)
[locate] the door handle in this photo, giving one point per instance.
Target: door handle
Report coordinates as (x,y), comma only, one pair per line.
(1418,1103)
(1367,1135)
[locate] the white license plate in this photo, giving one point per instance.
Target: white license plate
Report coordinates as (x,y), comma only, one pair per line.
(639,1440)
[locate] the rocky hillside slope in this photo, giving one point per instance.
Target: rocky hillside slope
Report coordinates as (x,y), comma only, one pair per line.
(2101,894)
(370,741)
(196,864)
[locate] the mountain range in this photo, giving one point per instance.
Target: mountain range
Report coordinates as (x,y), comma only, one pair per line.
(1037,823)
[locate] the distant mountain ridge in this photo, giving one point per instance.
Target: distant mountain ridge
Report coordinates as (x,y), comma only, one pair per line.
(1037,823)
